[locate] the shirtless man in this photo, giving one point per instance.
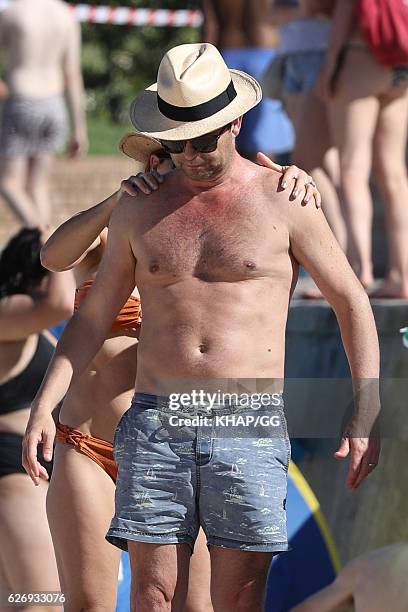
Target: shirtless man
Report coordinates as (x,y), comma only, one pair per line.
(247,37)
(374,582)
(40,40)
(215,254)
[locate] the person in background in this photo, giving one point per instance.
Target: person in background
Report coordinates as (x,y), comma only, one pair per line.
(368,107)
(303,40)
(31,300)
(246,35)
(373,582)
(40,44)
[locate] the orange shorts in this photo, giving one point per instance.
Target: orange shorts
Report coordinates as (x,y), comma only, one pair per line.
(96,449)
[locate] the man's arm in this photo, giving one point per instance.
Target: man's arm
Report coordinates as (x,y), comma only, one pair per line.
(74,87)
(83,336)
(314,246)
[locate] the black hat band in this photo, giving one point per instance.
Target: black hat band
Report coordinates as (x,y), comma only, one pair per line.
(201,111)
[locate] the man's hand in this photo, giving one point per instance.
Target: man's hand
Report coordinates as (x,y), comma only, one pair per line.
(144,182)
(302,180)
(78,146)
(40,428)
(365,454)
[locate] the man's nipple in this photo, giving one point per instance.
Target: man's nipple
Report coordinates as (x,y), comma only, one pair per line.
(154,267)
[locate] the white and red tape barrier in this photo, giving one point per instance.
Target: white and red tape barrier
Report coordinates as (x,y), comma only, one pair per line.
(124,15)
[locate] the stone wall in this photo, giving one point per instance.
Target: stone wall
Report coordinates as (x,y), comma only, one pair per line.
(375,514)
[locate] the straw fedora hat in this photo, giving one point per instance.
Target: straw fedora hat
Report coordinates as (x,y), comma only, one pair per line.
(195,94)
(139,147)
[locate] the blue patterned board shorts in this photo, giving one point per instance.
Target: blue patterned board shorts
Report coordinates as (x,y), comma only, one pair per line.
(222,474)
(30,126)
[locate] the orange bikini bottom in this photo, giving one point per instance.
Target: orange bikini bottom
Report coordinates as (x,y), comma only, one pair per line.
(96,449)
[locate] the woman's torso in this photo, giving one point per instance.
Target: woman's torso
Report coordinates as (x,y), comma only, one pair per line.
(361,73)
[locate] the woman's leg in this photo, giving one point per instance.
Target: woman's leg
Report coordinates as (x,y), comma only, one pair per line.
(13,181)
(293,104)
(26,553)
(353,114)
(315,153)
(391,176)
(80,505)
(198,595)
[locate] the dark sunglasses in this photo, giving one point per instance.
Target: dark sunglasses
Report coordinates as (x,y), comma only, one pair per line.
(203,144)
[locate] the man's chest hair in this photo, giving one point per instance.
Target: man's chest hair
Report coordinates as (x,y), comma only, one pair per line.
(237,237)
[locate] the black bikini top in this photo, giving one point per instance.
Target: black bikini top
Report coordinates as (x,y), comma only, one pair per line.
(18,392)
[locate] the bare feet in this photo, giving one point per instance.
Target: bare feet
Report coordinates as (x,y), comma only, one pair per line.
(364,274)
(313,293)
(391,289)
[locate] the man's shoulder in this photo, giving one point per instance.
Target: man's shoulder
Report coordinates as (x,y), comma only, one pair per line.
(125,212)
(258,176)
(271,179)
(131,207)
(270,182)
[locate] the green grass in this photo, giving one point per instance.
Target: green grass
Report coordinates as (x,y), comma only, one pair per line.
(104,136)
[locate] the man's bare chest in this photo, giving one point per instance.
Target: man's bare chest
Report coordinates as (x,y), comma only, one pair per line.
(239,240)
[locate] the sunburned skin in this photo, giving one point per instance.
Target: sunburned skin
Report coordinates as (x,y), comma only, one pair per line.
(230,263)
